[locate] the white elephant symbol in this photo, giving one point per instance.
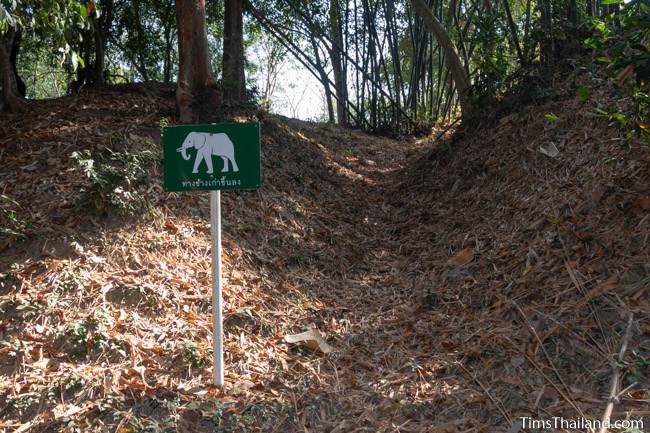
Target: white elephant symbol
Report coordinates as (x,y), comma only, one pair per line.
(207,145)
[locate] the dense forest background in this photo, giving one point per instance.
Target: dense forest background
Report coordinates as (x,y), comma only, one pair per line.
(384,65)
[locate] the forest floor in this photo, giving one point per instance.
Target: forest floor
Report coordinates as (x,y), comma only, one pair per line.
(461,284)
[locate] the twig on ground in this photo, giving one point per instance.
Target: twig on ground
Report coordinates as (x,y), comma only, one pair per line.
(576,283)
(613,390)
(566,397)
(494,401)
(541,345)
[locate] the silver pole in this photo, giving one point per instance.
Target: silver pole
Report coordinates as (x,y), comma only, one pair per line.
(217,339)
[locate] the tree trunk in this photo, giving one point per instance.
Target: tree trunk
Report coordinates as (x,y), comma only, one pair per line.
(340,81)
(196,93)
(98,70)
(458,74)
(13,55)
(513,33)
(167,64)
(168,32)
(102,27)
(11,97)
(547,53)
(234,81)
(324,80)
(527,42)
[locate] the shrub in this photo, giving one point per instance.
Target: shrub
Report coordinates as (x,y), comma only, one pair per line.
(118,180)
(622,42)
(12,226)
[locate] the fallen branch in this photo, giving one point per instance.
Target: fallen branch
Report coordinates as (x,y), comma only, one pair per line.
(532,362)
(615,378)
(494,401)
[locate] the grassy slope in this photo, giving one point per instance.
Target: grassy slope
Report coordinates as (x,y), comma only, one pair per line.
(423,268)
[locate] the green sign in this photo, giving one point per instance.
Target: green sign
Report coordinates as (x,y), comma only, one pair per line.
(211,157)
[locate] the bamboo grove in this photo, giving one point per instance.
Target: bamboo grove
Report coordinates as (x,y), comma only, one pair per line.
(385,68)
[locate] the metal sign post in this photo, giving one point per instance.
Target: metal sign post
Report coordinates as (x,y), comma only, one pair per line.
(189,165)
(217,298)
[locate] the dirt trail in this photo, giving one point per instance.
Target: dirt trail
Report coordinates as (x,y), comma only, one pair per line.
(387,366)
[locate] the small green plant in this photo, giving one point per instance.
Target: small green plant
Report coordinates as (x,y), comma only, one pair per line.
(118,180)
(194,355)
(613,115)
(11,225)
(164,122)
(89,337)
(24,306)
(13,347)
(551,117)
(75,337)
(584,94)
(638,369)
(22,402)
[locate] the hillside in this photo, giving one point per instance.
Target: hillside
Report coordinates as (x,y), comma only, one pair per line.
(463,283)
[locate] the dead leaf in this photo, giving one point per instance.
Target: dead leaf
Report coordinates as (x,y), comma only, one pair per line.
(462,257)
(643,202)
(599,290)
(171,227)
(549,149)
(242,387)
(140,369)
(64,411)
(625,74)
(583,235)
(597,195)
(312,339)
(42,364)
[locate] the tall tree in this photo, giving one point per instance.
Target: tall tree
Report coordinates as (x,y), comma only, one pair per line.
(234,80)
(196,93)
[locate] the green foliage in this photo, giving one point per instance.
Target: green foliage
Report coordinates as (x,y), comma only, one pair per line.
(22,402)
(89,336)
(117,180)
(491,61)
(11,225)
(614,115)
(551,117)
(622,42)
(144,38)
(55,21)
(75,336)
(25,307)
(195,355)
(638,369)
(164,122)
(584,93)
(42,71)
